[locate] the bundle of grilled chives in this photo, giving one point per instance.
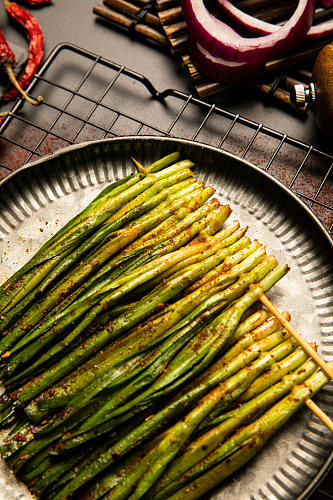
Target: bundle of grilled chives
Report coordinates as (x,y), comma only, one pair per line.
(129,339)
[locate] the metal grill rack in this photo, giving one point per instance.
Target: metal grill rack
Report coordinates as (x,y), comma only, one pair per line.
(89,97)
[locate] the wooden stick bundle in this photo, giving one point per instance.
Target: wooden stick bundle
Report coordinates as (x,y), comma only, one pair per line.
(176,31)
(150,27)
(167,27)
(129,8)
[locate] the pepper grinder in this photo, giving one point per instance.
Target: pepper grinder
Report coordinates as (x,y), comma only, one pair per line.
(319,91)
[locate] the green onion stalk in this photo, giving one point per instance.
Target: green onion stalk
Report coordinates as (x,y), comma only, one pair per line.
(28,431)
(162,201)
(176,475)
(122,324)
(255,321)
(272,375)
(90,265)
(114,291)
(152,425)
(101,208)
(184,399)
(181,403)
(97,427)
(165,383)
(138,483)
(95,303)
(232,454)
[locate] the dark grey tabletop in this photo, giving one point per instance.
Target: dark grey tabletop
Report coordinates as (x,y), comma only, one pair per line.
(73,21)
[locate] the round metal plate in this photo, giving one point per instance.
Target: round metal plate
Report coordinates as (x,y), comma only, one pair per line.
(39,198)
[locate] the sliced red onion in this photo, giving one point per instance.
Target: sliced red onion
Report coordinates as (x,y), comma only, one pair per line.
(252,24)
(326,3)
(262,28)
(221,70)
(222,41)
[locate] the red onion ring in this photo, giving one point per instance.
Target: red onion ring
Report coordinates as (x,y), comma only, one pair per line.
(262,28)
(223,42)
(326,3)
(221,70)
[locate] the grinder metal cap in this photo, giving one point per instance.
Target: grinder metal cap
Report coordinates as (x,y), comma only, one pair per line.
(301,94)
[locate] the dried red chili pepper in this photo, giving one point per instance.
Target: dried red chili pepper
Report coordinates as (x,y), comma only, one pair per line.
(7,56)
(7,62)
(37,3)
(35,36)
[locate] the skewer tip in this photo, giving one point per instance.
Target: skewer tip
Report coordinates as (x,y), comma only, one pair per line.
(138,165)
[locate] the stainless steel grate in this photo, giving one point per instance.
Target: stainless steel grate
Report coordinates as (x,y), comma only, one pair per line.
(89,97)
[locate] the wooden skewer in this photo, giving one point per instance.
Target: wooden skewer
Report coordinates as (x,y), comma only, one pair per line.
(252,5)
(280,94)
(207,88)
(176,29)
(289,82)
(128,8)
(140,3)
(326,367)
(295,57)
(303,74)
(306,346)
(320,413)
(123,20)
(138,165)
(171,16)
(178,44)
(166,4)
(275,14)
